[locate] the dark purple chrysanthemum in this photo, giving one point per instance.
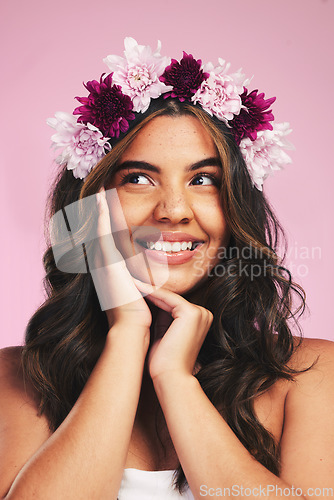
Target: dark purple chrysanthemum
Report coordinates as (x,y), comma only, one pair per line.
(255,116)
(185,76)
(105,107)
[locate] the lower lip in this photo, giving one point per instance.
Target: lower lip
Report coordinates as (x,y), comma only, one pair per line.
(172,258)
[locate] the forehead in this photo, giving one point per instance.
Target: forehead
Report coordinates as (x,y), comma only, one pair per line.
(172,137)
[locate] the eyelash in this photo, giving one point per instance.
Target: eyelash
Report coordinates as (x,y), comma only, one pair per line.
(125,178)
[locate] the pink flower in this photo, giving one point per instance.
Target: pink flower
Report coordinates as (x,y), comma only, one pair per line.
(219,95)
(83,145)
(138,73)
(266,154)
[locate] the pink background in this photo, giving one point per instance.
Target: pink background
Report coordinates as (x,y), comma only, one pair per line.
(49,48)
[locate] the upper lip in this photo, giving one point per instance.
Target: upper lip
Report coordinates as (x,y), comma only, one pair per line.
(167,236)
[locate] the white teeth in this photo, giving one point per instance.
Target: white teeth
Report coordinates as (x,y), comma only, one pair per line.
(168,246)
(176,247)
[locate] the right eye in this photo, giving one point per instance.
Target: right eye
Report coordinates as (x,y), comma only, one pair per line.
(135,179)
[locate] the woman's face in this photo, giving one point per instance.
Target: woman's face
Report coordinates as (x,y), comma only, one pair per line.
(168,180)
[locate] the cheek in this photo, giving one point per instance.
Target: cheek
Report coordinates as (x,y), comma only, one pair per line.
(223,231)
(213,222)
(135,211)
(220,236)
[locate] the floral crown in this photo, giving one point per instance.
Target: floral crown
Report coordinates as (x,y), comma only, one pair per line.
(142,75)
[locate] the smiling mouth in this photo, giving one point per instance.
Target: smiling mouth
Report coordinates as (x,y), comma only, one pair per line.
(170,246)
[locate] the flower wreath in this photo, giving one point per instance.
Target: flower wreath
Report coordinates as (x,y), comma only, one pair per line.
(142,75)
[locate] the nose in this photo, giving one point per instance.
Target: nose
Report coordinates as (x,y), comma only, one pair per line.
(173,206)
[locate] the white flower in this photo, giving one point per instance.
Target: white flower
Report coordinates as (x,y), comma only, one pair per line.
(138,73)
(266,154)
(83,145)
(219,95)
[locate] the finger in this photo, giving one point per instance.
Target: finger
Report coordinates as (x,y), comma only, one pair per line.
(106,251)
(103,222)
(169,298)
(145,288)
(178,306)
(159,303)
(150,292)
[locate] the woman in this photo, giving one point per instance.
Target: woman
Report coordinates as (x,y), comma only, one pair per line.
(121,383)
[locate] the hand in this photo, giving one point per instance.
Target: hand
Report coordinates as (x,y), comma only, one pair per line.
(179,332)
(115,287)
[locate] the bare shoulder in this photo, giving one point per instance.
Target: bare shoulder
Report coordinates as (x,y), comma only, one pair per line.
(10,356)
(307,444)
(314,362)
(22,430)
(314,359)
(11,374)
(16,394)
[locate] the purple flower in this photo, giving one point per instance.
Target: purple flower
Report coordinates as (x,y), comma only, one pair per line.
(185,77)
(106,107)
(254,116)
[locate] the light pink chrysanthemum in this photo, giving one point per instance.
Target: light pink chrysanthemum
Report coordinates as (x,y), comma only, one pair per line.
(219,95)
(83,145)
(238,77)
(138,73)
(266,154)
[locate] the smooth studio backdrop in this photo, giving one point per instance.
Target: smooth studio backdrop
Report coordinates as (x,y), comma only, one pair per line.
(50,48)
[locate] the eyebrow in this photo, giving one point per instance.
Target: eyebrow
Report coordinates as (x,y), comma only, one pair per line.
(207,162)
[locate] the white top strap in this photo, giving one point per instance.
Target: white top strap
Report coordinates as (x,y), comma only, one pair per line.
(146,485)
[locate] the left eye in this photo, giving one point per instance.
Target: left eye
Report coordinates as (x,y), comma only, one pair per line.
(204,180)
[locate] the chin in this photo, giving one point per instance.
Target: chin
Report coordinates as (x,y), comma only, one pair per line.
(185,289)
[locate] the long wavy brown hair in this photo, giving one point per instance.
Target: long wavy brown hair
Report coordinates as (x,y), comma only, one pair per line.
(250,342)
